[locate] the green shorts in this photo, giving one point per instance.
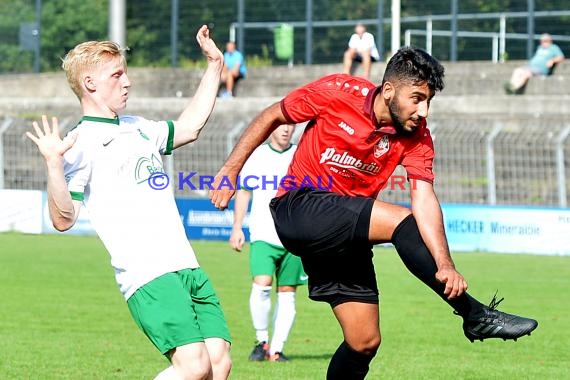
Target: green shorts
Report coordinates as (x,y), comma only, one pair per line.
(268,259)
(178,308)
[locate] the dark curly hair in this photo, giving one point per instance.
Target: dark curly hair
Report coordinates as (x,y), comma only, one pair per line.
(415,66)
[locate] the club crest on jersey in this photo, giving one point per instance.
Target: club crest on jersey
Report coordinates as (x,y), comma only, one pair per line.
(382,147)
(146,166)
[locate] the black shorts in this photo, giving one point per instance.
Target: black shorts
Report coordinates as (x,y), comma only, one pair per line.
(358,58)
(330,233)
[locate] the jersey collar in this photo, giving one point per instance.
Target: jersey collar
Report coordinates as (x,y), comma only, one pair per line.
(277,150)
(369,111)
(97,119)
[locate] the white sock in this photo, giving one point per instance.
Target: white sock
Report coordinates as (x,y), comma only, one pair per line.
(259,306)
(283,319)
(168,374)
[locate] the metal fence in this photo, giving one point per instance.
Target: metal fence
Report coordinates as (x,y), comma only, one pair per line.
(323,41)
(482,160)
(161,33)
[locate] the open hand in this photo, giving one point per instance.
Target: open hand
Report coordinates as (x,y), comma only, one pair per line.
(49,143)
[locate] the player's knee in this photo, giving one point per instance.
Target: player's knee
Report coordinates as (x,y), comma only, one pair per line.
(263,280)
(367,345)
(221,366)
(194,369)
(372,346)
(220,359)
(192,362)
(385,219)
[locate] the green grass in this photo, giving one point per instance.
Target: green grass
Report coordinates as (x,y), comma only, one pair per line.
(62,317)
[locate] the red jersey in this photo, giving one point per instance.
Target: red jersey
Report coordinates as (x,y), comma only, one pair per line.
(342,148)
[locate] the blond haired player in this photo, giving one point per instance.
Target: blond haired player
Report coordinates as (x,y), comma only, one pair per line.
(104,163)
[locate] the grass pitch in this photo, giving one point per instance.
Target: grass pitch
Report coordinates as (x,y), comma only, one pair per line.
(62,317)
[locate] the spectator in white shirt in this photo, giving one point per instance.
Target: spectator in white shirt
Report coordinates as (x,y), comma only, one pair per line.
(361,48)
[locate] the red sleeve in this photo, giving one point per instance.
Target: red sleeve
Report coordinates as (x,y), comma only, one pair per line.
(418,158)
(306,102)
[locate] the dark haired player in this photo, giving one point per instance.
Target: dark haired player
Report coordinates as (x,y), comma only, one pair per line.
(359,133)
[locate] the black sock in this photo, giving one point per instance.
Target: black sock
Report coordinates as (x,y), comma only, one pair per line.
(348,364)
(420,262)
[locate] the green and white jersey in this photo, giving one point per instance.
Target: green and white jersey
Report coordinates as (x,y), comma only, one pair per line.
(262,173)
(108,169)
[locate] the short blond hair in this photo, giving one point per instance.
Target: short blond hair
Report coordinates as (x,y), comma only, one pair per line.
(86,56)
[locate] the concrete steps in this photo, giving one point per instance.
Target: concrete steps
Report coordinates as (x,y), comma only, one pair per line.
(462,78)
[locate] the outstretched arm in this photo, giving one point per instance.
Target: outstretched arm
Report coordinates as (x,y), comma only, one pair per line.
(62,209)
(257,132)
(194,117)
(427,211)
(237,238)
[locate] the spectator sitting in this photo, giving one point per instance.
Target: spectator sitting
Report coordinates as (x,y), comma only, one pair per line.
(234,69)
(546,57)
(361,48)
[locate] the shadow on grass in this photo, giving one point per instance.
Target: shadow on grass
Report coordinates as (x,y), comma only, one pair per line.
(310,356)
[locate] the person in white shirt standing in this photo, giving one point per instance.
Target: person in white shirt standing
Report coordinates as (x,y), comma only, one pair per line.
(261,175)
(109,163)
(361,48)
